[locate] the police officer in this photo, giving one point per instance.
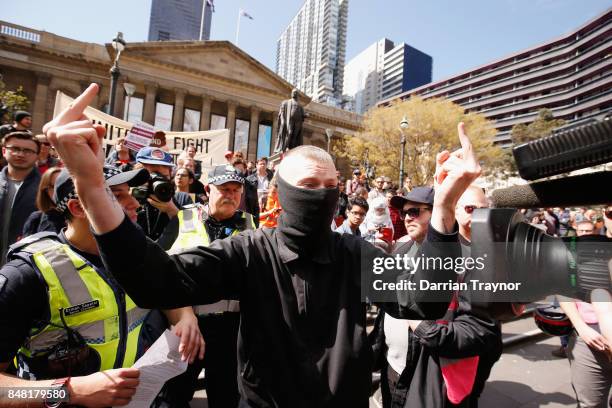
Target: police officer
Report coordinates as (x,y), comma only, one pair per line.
(64,318)
(199,226)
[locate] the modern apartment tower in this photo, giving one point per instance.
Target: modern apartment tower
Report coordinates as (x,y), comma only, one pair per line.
(312,49)
(383,70)
(179,20)
(571,75)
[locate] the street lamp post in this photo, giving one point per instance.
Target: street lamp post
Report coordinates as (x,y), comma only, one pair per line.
(119,46)
(403,126)
(329,133)
(129,90)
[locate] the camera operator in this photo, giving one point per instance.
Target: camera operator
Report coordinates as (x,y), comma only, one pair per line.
(155,212)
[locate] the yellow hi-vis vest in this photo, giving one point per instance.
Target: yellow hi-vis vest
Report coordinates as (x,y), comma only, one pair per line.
(106,317)
(192,233)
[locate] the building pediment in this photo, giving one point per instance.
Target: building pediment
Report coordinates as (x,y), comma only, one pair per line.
(220,59)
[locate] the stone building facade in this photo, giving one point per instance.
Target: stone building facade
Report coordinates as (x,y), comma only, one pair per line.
(197,85)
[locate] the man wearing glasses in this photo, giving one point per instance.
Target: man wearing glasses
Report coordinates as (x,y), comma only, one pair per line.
(415,209)
(18,186)
(355,214)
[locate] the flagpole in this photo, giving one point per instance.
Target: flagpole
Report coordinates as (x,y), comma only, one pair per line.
(238,27)
(202,20)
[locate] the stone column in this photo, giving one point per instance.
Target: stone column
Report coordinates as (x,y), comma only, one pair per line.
(253,132)
(149,103)
(119,98)
(205,112)
(179,109)
(231,122)
(39,111)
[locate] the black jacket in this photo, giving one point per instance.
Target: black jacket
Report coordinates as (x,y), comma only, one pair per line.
(24,202)
(463,332)
(154,222)
(38,221)
(302,340)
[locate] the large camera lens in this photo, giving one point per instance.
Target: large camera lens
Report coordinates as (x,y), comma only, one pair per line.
(162,188)
(541,265)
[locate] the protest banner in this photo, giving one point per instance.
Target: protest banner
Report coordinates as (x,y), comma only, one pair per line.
(210,145)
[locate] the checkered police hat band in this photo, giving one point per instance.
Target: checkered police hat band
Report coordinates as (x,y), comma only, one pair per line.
(62,205)
(226,178)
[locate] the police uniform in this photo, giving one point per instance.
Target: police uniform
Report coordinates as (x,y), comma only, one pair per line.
(219,321)
(62,313)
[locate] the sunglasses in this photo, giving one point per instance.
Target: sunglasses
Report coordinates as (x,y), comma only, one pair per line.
(413,212)
(470,208)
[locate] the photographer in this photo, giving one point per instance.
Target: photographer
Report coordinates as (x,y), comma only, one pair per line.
(155,212)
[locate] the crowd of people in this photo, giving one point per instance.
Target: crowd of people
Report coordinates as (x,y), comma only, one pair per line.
(270,313)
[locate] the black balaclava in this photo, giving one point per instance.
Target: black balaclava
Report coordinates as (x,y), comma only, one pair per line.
(305,222)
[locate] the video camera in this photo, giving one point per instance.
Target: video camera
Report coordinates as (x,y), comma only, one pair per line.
(516,251)
(159,186)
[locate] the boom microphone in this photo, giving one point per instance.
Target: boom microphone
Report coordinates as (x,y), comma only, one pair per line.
(582,190)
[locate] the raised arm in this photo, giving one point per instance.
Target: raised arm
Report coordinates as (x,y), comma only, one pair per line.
(146,272)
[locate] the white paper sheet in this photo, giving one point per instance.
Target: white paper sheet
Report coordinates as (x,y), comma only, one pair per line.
(161,362)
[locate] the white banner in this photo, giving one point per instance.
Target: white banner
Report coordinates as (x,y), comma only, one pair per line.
(210,145)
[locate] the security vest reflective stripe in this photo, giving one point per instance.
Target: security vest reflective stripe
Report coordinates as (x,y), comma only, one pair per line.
(192,233)
(106,317)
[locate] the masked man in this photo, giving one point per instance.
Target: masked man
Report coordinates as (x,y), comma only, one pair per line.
(302,340)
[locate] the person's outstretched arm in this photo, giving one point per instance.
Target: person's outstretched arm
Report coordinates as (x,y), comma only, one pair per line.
(144,270)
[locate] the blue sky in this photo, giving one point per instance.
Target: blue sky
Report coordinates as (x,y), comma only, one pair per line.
(459,35)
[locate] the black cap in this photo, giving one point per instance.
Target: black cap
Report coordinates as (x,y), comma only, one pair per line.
(224,174)
(19,115)
(421,194)
(64,187)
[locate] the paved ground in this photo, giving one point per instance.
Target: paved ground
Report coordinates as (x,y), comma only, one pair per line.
(527,376)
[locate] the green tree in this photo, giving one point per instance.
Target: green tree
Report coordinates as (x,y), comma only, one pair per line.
(432,128)
(11,101)
(540,127)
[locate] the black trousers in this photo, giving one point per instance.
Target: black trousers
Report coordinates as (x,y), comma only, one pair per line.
(393,390)
(220,362)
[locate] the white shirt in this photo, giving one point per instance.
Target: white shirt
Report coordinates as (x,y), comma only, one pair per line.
(396,338)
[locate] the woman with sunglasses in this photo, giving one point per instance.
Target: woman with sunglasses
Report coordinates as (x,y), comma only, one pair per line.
(45,159)
(47,218)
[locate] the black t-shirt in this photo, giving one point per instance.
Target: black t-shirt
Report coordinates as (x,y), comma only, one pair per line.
(24,302)
(153,221)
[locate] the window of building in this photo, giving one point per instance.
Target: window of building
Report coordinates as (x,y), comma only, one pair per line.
(191,121)
(241,139)
(132,111)
(163,36)
(163,116)
(264,141)
(217,122)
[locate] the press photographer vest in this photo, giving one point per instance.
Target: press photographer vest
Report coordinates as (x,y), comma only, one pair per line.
(93,305)
(193,233)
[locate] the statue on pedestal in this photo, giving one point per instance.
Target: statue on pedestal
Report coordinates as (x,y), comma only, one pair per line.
(290,119)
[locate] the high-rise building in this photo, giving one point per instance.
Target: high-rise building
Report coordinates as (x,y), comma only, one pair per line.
(311,51)
(383,70)
(570,75)
(179,20)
